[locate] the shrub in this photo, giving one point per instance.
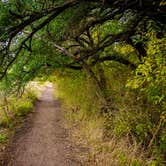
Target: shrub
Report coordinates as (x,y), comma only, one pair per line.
(3,138)
(31,95)
(6,122)
(23,107)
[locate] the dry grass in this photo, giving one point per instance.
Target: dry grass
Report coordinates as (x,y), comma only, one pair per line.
(110,151)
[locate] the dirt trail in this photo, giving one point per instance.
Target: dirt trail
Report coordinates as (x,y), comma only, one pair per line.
(42,140)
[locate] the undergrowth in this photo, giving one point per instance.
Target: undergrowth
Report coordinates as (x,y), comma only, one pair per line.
(13,109)
(119,136)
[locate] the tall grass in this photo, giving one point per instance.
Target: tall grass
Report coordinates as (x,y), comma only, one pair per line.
(14,109)
(119,136)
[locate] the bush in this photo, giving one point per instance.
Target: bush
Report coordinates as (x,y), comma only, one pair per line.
(17,107)
(6,122)
(79,93)
(31,95)
(150,80)
(3,138)
(23,107)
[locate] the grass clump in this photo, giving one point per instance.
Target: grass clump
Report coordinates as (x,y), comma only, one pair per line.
(13,109)
(23,108)
(6,122)
(24,105)
(3,138)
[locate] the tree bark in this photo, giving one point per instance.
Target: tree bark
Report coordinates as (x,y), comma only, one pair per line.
(98,84)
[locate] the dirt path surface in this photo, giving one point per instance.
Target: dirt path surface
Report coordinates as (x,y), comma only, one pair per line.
(43,140)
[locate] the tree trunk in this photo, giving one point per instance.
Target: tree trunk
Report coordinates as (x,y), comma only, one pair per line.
(98,84)
(101,77)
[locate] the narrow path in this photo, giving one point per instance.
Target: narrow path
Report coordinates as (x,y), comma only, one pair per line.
(42,140)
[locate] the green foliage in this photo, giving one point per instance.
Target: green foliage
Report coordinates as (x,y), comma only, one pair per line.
(17,108)
(22,108)
(6,122)
(151,75)
(135,123)
(84,95)
(3,138)
(31,95)
(163,141)
(150,78)
(24,105)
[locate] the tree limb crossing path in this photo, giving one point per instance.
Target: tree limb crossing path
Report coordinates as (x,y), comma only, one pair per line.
(43,140)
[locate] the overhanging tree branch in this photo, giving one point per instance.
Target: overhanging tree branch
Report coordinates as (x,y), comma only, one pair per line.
(21,26)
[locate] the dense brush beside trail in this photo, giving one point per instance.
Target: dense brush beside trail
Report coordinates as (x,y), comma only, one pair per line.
(124,132)
(13,109)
